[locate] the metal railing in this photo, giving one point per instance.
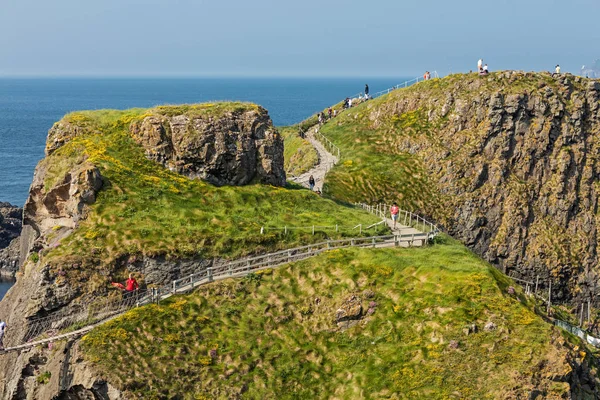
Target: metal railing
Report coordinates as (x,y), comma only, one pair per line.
(361,95)
(577,331)
(321,228)
(328,144)
(406,218)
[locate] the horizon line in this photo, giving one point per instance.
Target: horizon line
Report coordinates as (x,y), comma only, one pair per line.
(197,76)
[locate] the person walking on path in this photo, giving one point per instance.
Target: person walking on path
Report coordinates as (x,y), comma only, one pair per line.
(311,183)
(394,210)
(330,112)
(2,332)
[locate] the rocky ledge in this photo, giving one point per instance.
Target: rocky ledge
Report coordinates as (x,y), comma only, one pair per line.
(10,230)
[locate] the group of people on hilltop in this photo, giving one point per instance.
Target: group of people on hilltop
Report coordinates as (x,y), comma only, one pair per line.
(322,117)
(482,68)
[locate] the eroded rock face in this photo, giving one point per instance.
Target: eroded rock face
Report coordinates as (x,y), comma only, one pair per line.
(63,204)
(235,149)
(10,230)
(517,168)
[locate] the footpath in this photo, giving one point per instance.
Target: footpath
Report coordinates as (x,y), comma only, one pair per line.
(325,162)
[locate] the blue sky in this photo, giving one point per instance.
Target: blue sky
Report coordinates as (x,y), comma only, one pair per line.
(292,38)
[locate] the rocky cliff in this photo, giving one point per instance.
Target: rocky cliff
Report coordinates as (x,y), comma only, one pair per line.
(10,230)
(510,164)
(236,150)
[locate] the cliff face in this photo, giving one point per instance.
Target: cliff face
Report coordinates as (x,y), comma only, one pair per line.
(10,230)
(236,150)
(514,161)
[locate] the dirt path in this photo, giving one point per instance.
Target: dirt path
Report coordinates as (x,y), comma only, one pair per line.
(326,162)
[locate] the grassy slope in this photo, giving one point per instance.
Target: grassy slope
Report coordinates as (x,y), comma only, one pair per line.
(369,170)
(299,154)
(269,337)
(146,209)
(373,168)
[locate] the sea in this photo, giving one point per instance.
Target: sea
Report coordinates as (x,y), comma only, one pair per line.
(29,107)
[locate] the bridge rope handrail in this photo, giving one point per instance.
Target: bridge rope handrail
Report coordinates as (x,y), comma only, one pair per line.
(96,313)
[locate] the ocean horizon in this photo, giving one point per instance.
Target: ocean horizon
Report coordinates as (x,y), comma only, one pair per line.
(29,106)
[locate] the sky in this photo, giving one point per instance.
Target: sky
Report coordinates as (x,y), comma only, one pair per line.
(286,38)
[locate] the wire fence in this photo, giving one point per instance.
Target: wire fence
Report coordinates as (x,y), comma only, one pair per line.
(328,144)
(77,315)
(363,96)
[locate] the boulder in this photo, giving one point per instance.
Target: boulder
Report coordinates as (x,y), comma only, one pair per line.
(10,230)
(65,203)
(236,148)
(351,309)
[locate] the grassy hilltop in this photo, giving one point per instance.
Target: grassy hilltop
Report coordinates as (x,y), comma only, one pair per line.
(274,334)
(145,209)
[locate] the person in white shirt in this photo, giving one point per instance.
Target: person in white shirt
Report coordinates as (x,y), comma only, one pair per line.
(485,69)
(557,69)
(479,64)
(2,331)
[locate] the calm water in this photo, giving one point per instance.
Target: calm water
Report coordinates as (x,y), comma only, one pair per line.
(4,286)
(29,107)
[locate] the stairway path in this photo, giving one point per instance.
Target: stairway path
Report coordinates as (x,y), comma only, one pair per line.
(325,163)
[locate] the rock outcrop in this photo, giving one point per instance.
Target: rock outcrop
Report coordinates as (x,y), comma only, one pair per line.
(514,157)
(10,230)
(233,149)
(64,204)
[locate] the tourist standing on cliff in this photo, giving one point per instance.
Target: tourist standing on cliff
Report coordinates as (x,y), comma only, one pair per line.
(2,331)
(557,70)
(330,112)
(366,92)
(394,210)
(311,183)
(480,64)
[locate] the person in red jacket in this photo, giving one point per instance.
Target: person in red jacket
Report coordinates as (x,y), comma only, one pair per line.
(131,284)
(394,210)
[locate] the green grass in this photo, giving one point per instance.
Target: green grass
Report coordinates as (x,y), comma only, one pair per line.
(299,154)
(371,170)
(273,334)
(145,209)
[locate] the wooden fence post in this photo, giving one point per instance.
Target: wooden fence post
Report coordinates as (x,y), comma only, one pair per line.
(549,297)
